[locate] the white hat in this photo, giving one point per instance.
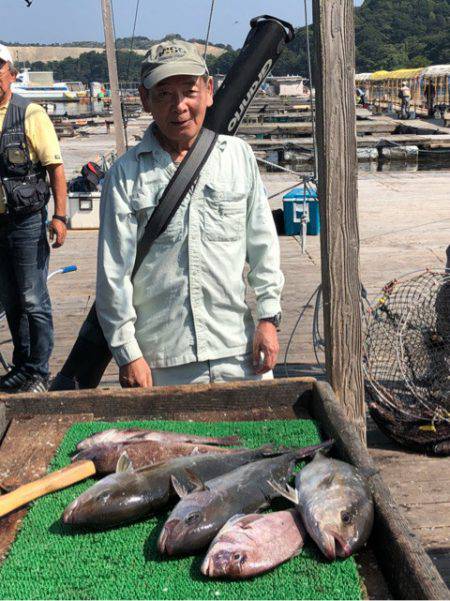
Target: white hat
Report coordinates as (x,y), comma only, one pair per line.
(5,54)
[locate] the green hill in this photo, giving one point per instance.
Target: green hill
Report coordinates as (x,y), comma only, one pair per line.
(391,34)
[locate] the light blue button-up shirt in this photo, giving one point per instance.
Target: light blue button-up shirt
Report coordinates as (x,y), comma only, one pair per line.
(187,300)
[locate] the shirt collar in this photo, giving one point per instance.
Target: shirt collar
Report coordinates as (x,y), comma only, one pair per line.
(149,142)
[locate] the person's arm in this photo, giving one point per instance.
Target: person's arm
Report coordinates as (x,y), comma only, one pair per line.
(43,140)
(265,276)
(114,296)
(58,229)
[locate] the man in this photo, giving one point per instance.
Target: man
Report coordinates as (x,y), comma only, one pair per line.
(405,96)
(430,95)
(183,318)
(361,94)
(29,149)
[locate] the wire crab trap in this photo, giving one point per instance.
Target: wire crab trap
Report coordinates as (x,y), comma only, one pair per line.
(407,361)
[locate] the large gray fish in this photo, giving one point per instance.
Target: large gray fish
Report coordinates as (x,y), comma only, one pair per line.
(142,453)
(199,516)
(335,503)
(129,495)
(249,545)
(116,435)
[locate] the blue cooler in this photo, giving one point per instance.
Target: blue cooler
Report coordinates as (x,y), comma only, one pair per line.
(293,211)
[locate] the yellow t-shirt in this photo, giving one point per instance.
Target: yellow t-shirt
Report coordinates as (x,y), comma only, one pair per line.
(41,137)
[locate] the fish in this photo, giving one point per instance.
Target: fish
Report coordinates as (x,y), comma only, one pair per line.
(116,435)
(142,453)
(201,513)
(132,494)
(335,503)
(249,545)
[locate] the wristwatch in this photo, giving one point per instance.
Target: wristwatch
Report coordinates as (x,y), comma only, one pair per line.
(62,218)
(274,319)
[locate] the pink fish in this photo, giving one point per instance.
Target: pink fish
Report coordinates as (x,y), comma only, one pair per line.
(252,544)
(115,435)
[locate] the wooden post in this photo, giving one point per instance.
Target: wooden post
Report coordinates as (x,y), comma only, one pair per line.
(334,42)
(113,78)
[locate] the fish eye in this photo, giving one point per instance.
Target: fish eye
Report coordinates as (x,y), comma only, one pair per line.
(239,557)
(192,518)
(346,517)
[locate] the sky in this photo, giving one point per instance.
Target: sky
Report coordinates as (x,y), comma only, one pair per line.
(60,21)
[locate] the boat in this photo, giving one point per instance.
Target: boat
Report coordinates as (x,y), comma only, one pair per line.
(40,85)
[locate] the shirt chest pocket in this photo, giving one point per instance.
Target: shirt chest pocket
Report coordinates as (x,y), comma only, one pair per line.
(144,203)
(224,213)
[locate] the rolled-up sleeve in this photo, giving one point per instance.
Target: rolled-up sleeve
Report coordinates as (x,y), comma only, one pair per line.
(116,255)
(263,249)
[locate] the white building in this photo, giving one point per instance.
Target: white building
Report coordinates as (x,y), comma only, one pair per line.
(290,85)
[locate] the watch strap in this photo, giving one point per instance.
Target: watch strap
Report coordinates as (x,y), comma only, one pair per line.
(62,218)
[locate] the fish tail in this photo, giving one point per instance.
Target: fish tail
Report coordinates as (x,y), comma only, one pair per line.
(312,450)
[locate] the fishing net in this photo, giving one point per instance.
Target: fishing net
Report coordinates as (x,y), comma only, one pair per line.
(407,361)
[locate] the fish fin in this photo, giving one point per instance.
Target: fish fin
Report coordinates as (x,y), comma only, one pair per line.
(76,456)
(232,521)
(327,481)
(247,520)
(179,488)
(313,450)
(196,481)
(124,463)
(288,492)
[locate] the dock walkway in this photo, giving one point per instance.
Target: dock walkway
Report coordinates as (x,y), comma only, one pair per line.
(404,226)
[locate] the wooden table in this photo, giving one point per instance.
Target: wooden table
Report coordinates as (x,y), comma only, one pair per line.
(35,425)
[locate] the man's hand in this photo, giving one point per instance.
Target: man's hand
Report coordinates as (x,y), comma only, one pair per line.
(57,231)
(136,374)
(265,341)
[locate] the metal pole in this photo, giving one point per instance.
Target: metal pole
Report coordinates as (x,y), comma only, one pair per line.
(113,78)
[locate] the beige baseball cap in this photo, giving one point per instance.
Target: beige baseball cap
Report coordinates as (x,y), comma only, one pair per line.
(169,58)
(5,54)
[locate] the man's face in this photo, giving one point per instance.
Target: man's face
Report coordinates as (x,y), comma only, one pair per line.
(6,79)
(178,105)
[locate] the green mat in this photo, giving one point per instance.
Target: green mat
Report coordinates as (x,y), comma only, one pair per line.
(51,561)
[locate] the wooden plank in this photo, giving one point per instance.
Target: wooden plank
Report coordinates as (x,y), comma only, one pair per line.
(422,141)
(415,492)
(427,515)
(24,456)
(3,421)
(410,571)
(419,471)
(171,400)
(303,128)
(337,191)
(434,538)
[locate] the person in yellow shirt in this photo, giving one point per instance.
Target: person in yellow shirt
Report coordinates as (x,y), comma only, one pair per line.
(29,151)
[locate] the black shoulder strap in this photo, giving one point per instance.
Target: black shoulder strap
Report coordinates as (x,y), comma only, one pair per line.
(183,178)
(15,114)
